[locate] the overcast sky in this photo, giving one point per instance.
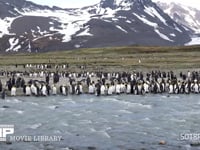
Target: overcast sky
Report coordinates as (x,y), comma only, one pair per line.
(81,3)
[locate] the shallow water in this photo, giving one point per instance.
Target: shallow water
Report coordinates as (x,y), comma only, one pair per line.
(113,122)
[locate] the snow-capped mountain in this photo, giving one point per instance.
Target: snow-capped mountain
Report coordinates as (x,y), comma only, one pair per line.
(26,26)
(184,15)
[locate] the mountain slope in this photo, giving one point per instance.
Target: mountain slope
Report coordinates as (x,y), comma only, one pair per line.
(184,15)
(34,28)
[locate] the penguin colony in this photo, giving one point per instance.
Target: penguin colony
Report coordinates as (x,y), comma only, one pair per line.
(101,83)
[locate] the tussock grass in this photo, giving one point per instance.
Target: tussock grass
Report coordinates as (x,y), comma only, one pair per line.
(115,57)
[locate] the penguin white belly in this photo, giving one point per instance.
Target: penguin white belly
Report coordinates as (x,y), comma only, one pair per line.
(54,90)
(28,91)
(63,90)
(123,88)
(186,89)
(102,90)
(33,89)
(81,89)
(110,90)
(176,89)
(171,89)
(146,88)
(118,89)
(91,89)
(128,90)
(44,91)
(196,88)
(139,89)
(13,91)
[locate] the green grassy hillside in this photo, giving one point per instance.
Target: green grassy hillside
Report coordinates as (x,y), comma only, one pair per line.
(115,58)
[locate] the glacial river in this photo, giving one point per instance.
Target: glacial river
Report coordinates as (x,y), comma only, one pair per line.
(106,123)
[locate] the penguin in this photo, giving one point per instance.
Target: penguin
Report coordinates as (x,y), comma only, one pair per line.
(155,88)
(179,87)
(54,90)
(158,87)
(128,88)
(103,89)
(34,90)
(187,88)
(48,89)
(171,89)
(118,89)
(196,87)
(66,89)
(1,86)
(13,91)
(44,90)
(122,88)
(81,88)
(3,94)
(146,87)
(73,89)
(176,90)
(77,89)
(140,88)
(98,89)
(28,90)
(110,90)
(63,90)
(91,89)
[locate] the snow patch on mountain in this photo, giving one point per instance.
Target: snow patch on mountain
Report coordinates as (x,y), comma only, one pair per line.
(172,34)
(162,35)
(154,13)
(70,22)
(5,25)
(155,25)
(86,32)
(121,28)
(128,21)
(194,41)
(124,4)
(184,15)
(13,45)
